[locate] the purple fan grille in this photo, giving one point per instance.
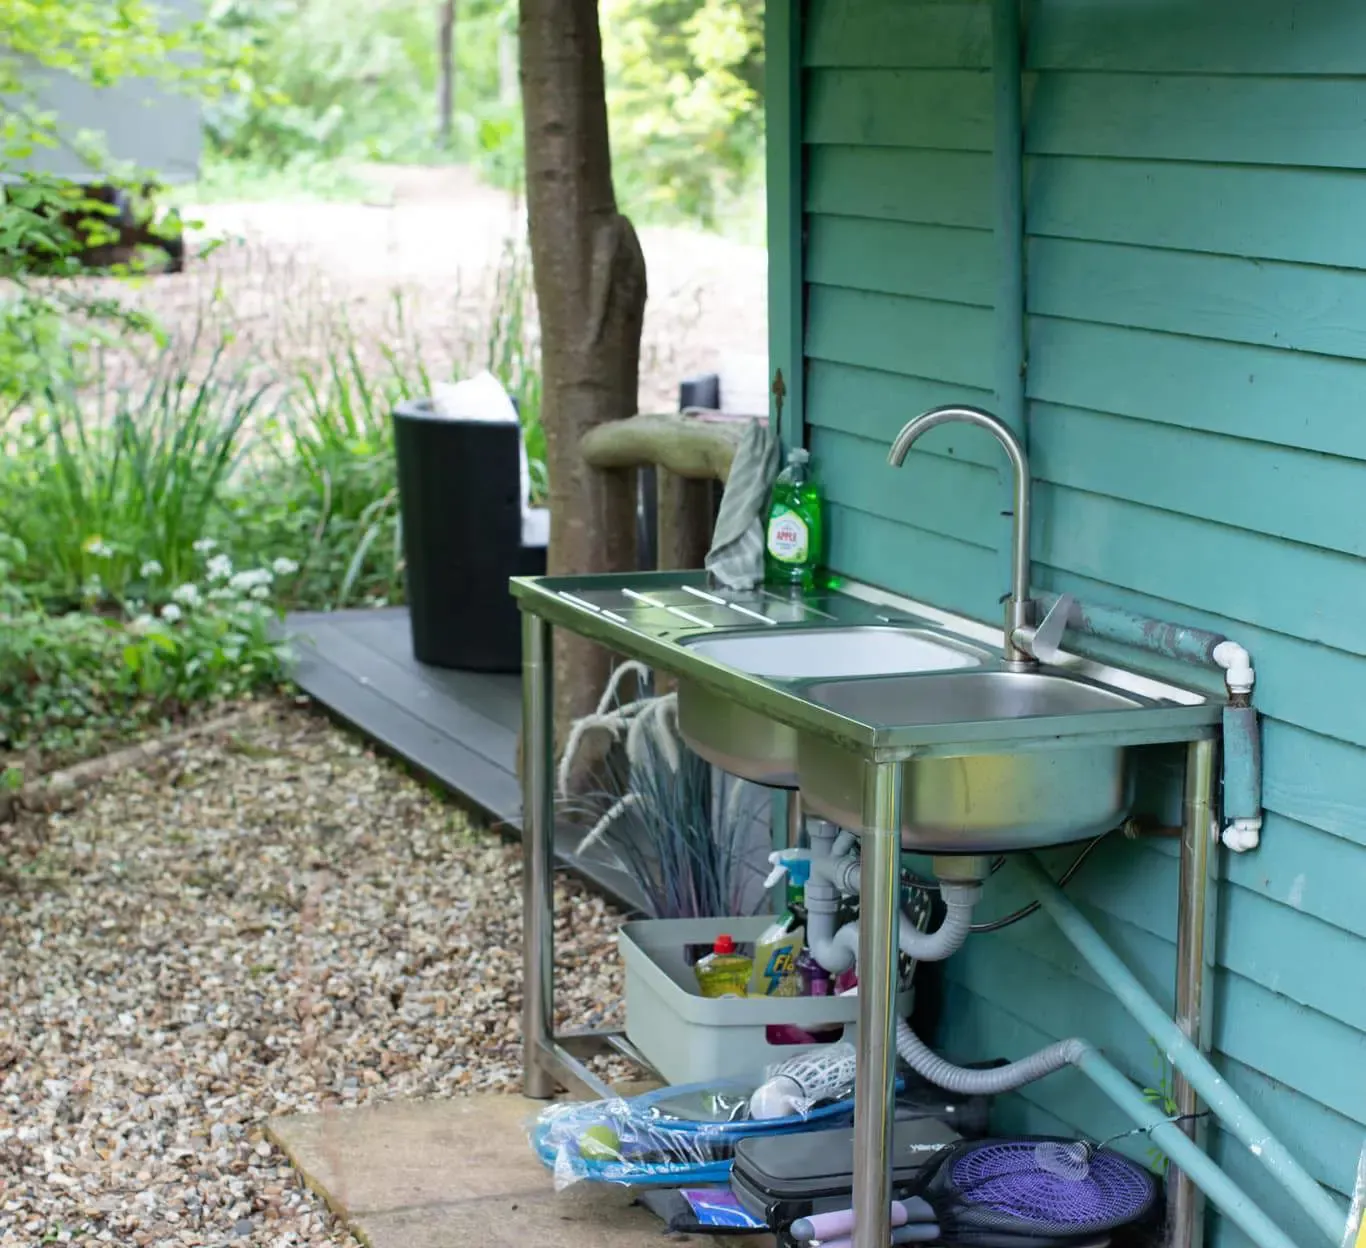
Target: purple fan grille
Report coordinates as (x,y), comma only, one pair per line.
(1007,1179)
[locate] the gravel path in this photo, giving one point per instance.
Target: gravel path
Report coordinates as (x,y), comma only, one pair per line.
(267,921)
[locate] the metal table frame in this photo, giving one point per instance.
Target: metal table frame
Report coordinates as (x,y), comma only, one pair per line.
(552,1061)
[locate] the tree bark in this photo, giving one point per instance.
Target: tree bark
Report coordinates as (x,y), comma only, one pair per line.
(445,47)
(590,292)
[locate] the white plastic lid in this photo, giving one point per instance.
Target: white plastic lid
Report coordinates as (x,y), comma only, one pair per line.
(798,455)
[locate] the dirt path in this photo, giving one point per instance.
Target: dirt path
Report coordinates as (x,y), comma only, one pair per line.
(420,261)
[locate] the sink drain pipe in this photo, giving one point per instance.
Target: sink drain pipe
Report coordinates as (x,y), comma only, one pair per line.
(1186,1057)
(1226,1194)
(834,874)
(960,900)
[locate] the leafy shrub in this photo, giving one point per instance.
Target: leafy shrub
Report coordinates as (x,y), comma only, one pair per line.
(356,80)
(685,96)
(47,221)
(326,487)
(320,81)
(68,680)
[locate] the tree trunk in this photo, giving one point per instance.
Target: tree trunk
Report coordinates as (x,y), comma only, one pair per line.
(590,291)
(445,47)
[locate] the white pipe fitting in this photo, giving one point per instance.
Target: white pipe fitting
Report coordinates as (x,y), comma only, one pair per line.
(837,951)
(1243,835)
(1239,675)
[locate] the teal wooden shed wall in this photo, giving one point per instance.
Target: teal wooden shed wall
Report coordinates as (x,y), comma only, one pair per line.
(1196,220)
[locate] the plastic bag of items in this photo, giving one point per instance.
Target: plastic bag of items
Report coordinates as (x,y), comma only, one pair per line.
(687,1134)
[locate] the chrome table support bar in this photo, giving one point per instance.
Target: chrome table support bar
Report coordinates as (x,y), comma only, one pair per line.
(538,850)
(1196,916)
(549,1062)
(874,1093)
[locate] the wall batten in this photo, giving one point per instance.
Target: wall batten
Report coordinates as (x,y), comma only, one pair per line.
(783,155)
(1008,188)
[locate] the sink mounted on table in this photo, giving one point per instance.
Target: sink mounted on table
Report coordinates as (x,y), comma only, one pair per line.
(986,798)
(749,744)
(812,690)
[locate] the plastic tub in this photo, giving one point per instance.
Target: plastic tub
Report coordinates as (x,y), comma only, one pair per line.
(689,1038)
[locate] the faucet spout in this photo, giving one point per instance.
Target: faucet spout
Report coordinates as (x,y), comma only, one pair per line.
(1019,605)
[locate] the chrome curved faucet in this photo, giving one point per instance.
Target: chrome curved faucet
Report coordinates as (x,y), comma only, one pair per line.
(1019,606)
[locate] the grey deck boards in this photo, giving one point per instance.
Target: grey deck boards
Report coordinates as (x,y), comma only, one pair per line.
(459,728)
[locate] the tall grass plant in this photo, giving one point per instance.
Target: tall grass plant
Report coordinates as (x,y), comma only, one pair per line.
(96,483)
(677,827)
(117,496)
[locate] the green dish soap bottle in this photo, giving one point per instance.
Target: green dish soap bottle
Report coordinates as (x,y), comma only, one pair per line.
(795,530)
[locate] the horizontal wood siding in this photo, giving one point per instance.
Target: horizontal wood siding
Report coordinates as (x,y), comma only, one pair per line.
(900,281)
(1197,384)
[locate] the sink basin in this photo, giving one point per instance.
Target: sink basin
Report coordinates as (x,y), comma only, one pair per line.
(830,653)
(813,690)
(748,744)
(966,698)
(977,802)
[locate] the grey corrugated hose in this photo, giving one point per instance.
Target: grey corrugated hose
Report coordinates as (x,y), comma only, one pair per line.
(736,557)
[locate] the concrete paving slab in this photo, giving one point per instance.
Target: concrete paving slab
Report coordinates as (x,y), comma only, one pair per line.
(408,1154)
(439,1173)
(597,1217)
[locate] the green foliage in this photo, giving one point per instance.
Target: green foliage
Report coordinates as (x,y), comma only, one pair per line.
(97,486)
(353,79)
(357,80)
(223,180)
(126,512)
(69,679)
(1163,1097)
(515,359)
(97,42)
(684,91)
(46,221)
(319,80)
(327,489)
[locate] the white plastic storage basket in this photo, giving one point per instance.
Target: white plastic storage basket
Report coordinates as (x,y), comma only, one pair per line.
(689,1038)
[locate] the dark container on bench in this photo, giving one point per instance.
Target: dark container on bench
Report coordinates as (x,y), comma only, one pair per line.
(459,486)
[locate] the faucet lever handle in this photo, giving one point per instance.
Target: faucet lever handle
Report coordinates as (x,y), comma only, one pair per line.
(1046,644)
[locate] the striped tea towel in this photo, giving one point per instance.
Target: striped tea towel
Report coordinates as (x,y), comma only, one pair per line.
(736,557)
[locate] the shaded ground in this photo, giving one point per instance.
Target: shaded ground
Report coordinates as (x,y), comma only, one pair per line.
(267,922)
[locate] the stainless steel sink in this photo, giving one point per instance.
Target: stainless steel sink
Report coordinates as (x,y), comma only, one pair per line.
(980,800)
(750,744)
(827,688)
(831,653)
(966,697)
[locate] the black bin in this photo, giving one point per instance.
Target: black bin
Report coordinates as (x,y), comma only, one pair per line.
(459,487)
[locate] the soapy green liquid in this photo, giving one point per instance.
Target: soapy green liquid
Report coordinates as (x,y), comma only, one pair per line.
(795,533)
